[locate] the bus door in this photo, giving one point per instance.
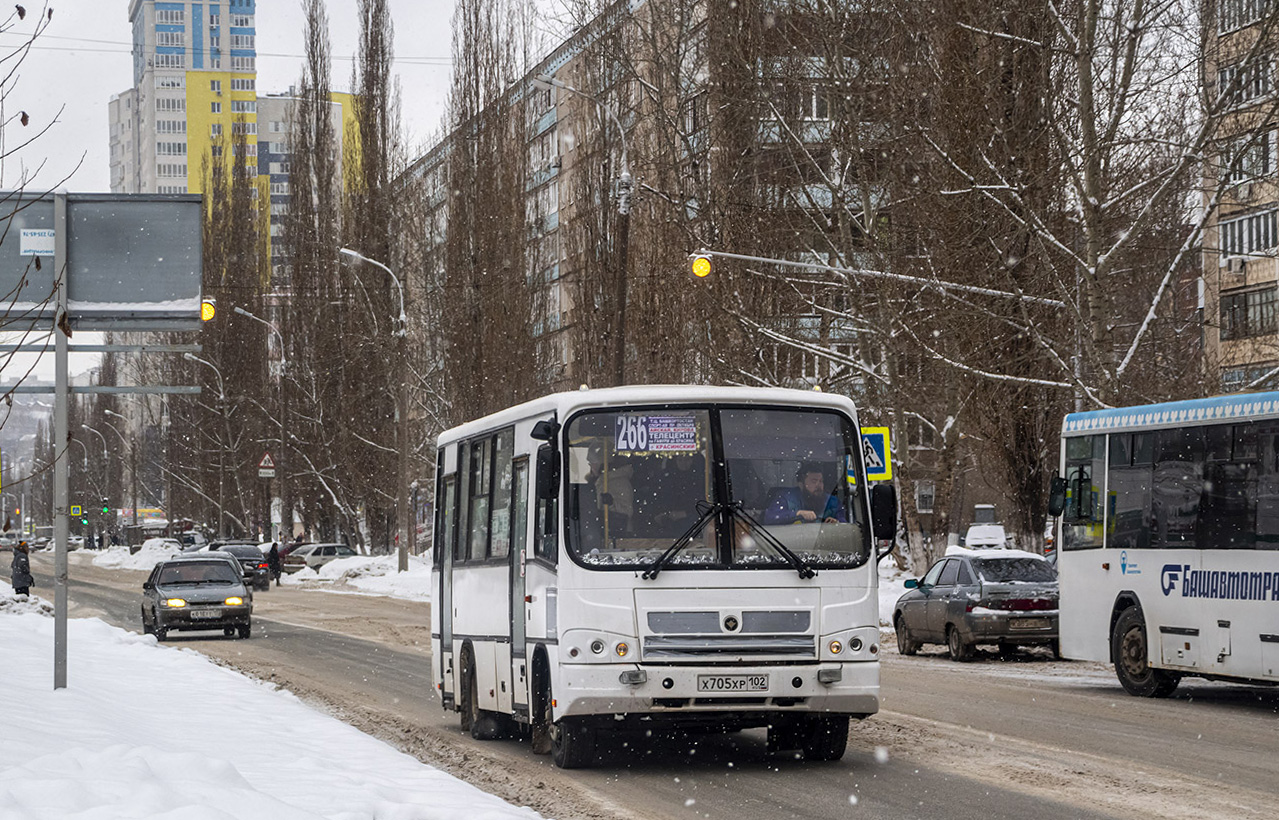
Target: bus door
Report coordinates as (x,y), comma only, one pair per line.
(519,558)
(447,506)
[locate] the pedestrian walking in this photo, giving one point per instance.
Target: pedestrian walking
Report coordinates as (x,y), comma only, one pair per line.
(273,564)
(20,569)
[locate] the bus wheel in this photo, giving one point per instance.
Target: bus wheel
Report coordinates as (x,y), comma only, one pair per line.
(828,737)
(786,734)
(572,743)
(541,729)
(1130,650)
(906,645)
(960,650)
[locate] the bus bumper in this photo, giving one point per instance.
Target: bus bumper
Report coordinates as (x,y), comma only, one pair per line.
(599,689)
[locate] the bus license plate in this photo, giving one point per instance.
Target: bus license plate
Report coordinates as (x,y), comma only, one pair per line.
(205,614)
(1028,623)
(732,683)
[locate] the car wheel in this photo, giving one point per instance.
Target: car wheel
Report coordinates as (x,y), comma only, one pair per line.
(1129,648)
(246,630)
(160,632)
(906,645)
(827,737)
(1007,650)
(960,650)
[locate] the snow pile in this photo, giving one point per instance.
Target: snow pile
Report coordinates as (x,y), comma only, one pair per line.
(25,604)
(142,732)
(153,551)
(376,575)
(892,585)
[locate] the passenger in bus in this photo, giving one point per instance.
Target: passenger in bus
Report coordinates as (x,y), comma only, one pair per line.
(806,503)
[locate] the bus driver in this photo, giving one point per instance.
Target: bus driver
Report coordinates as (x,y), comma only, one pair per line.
(806,503)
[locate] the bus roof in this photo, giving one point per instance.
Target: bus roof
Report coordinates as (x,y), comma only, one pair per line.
(1213,410)
(563,404)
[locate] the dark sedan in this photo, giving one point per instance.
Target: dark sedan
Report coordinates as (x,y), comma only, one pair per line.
(1002,597)
(253,561)
(191,594)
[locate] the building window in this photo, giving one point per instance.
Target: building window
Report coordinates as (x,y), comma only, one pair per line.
(169,169)
(171,149)
(215,86)
(215,41)
(169,81)
(244,84)
(1235,14)
(215,20)
(171,39)
(170,17)
(170,61)
(170,104)
(1251,313)
(1247,235)
(1246,82)
(241,41)
(244,128)
(1247,158)
(216,129)
(243,64)
(925,492)
(170,126)
(244,106)
(172,189)
(242,21)
(216,107)
(279,188)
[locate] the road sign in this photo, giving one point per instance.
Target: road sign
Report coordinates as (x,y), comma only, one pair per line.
(76,510)
(266,467)
(877,452)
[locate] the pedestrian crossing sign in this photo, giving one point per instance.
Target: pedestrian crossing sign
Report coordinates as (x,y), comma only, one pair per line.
(877,453)
(76,510)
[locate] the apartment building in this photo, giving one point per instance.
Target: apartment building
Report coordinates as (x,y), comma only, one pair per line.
(1241,276)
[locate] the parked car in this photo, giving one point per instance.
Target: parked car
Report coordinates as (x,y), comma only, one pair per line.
(315,556)
(253,561)
(969,597)
(194,594)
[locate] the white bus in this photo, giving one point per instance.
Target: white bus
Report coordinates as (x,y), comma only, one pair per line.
(1169,559)
(649,557)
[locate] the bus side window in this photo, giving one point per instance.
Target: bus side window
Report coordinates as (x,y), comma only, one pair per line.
(545,545)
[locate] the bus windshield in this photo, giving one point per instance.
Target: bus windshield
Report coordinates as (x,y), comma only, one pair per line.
(782,480)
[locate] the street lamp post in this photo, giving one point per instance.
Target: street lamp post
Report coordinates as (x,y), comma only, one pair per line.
(401,415)
(281,459)
(221,442)
(106,480)
(133,463)
(624,186)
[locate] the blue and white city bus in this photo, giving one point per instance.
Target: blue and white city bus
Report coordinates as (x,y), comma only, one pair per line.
(1169,559)
(640,558)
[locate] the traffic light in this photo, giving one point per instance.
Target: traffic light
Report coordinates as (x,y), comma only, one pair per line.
(106,506)
(208,309)
(701,265)
(84,521)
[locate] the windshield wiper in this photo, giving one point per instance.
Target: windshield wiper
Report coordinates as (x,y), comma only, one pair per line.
(804,570)
(710,511)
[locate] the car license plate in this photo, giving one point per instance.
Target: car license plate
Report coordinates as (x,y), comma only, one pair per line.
(1027,623)
(205,614)
(732,683)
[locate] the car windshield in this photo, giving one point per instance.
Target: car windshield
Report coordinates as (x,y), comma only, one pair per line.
(788,492)
(243,552)
(190,572)
(1014,570)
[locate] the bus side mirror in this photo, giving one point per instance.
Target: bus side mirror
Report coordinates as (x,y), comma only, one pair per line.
(1056,496)
(548,472)
(883,511)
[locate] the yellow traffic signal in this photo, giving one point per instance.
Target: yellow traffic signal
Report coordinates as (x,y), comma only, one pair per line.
(208,310)
(701,266)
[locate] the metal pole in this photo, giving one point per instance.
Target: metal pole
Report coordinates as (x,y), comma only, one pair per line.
(62,384)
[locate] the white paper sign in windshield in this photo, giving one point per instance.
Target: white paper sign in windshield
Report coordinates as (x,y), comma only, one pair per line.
(666,433)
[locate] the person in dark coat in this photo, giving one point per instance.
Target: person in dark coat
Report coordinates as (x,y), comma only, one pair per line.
(274,566)
(20,569)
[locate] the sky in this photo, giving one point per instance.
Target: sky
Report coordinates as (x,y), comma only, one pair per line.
(84,58)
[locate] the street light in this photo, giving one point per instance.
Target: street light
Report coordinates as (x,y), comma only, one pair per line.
(133,462)
(221,441)
(286,498)
(401,413)
(624,185)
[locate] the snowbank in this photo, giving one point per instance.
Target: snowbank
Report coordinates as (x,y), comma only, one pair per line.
(375,575)
(153,551)
(142,732)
